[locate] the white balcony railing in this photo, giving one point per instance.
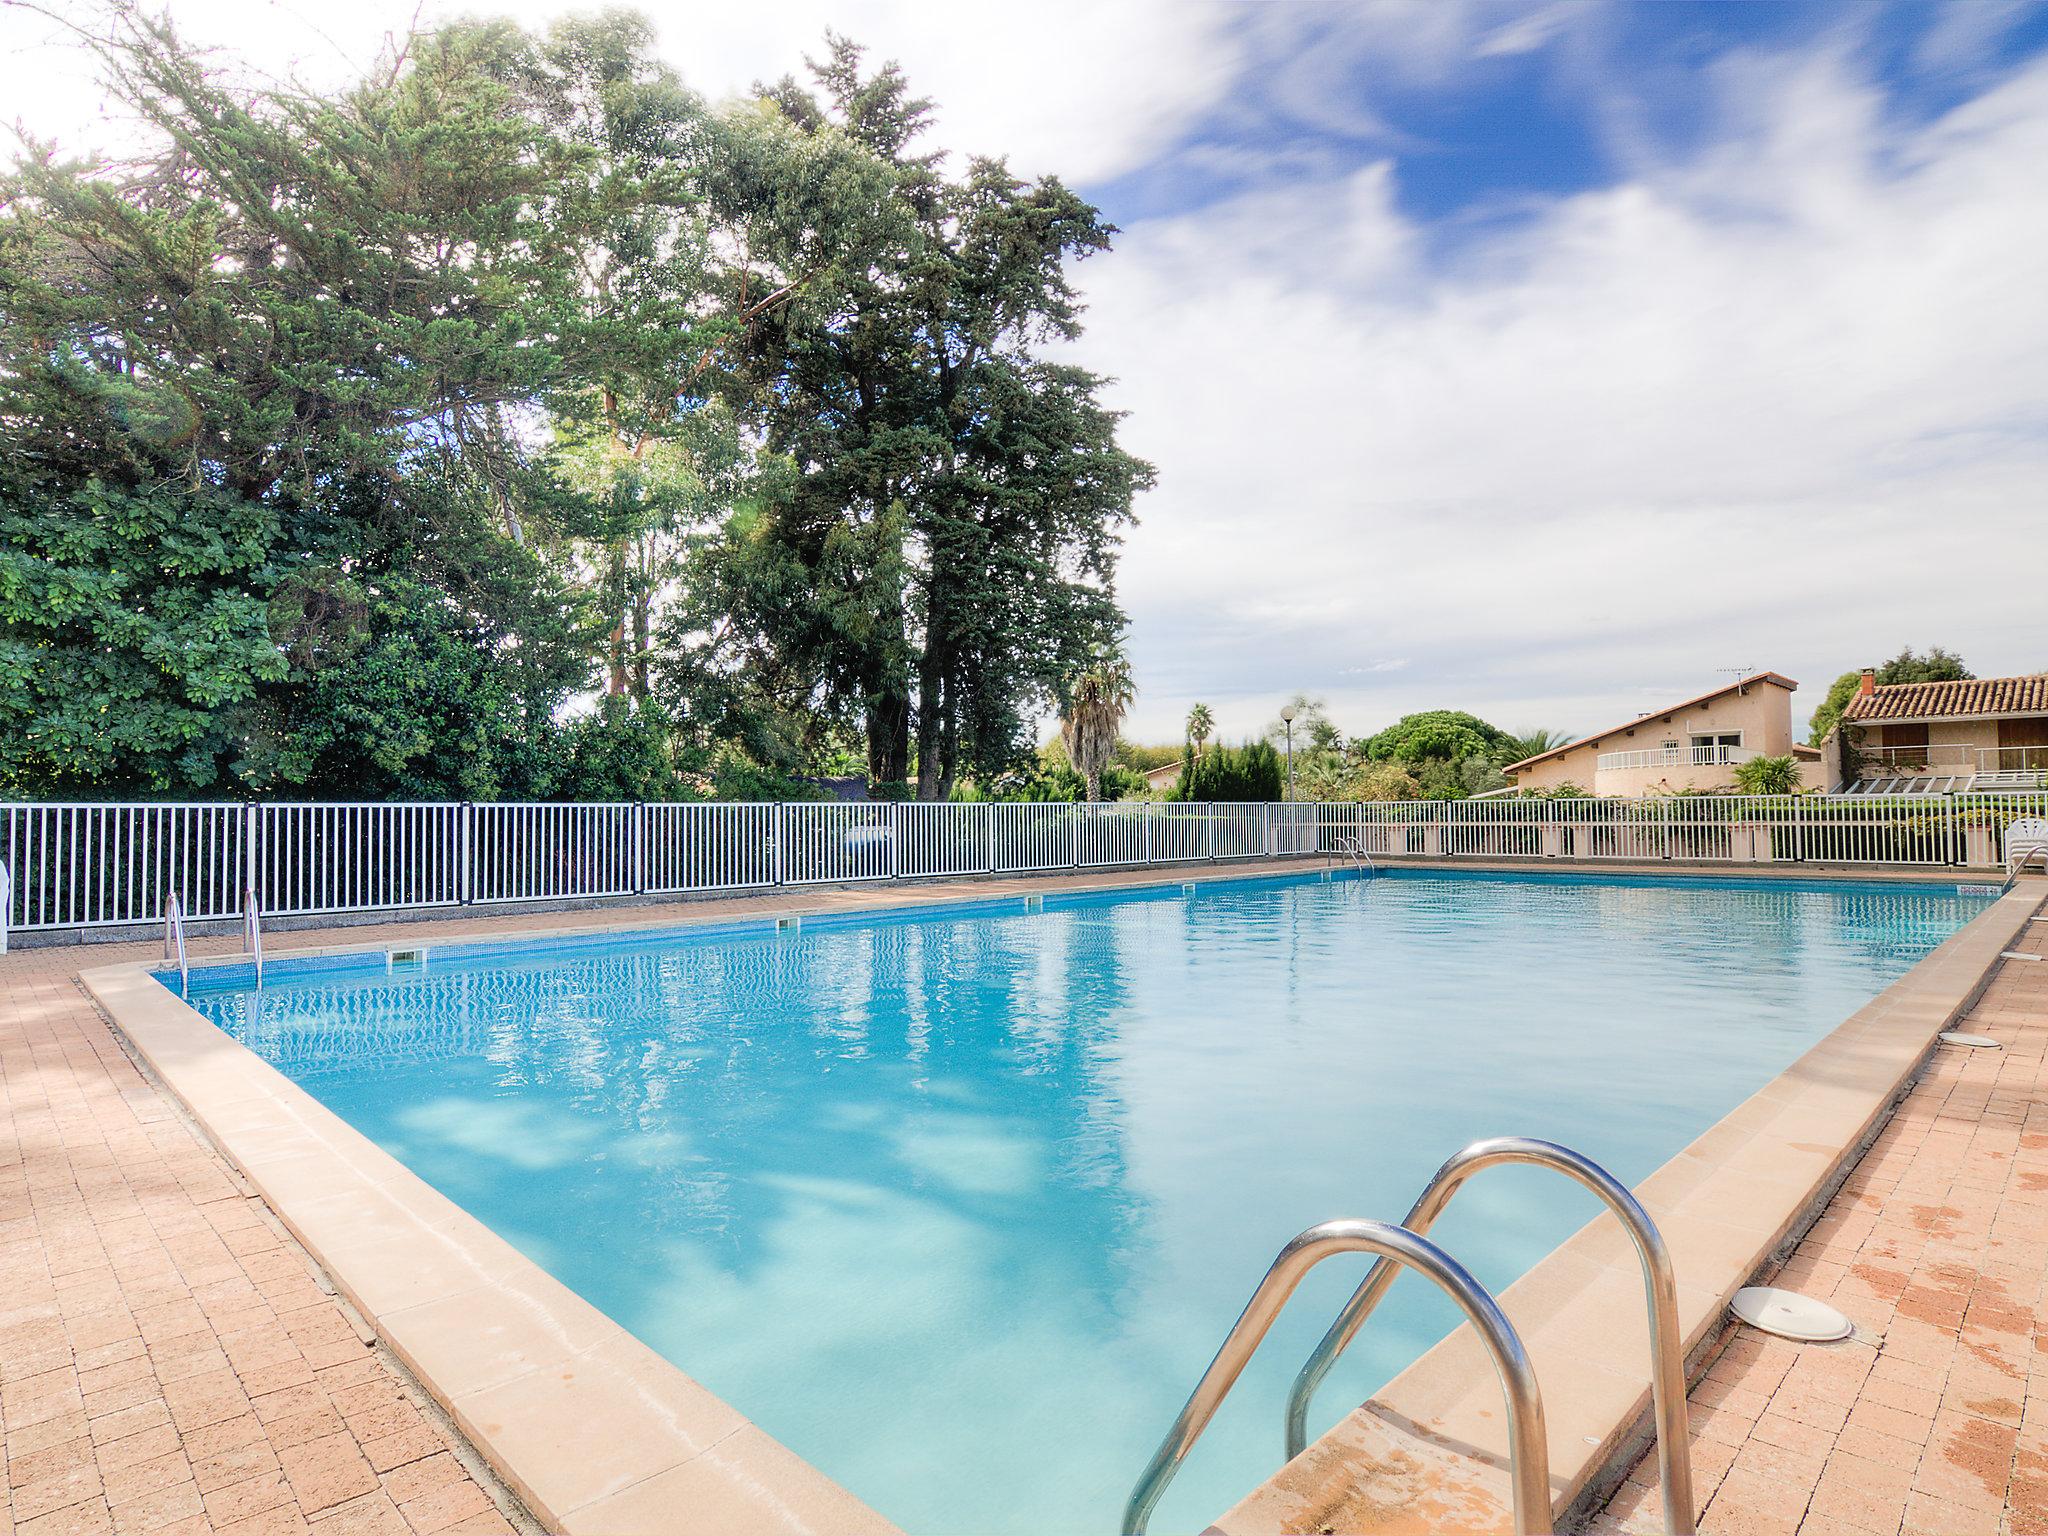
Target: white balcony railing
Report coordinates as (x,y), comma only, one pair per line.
(2012,759)
(1944,757)
(1674,757)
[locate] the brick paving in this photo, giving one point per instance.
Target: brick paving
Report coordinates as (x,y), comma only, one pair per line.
(168,1361)
(1933,1420)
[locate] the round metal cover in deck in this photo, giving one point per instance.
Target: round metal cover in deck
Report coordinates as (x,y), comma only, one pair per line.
(1975,1042)
(1789,1315)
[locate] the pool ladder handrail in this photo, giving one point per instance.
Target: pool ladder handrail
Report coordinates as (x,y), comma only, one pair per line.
(252,931)
(174,941)
(1528,1441)
(1529,1467)
(1354,846)
(1660,1290)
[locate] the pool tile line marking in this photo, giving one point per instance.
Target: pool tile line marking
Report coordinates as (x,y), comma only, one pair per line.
(1428,1452)
(648,1503)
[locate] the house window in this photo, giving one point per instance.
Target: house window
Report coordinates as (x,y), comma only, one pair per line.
(1715,747)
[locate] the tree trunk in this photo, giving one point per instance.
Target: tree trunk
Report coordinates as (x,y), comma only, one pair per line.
(888,732)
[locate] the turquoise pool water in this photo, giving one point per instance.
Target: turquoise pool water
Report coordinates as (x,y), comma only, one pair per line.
(959,1204)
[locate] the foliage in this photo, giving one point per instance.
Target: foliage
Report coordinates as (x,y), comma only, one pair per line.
(940,554)
(257,388)
(1448,734)
(1768,775)
(1141,758)
(1936,666)
(1250,772)
(353,439)
(1201,725)
(1098,701)
(1828,714)
(1313,729)
(1536,741)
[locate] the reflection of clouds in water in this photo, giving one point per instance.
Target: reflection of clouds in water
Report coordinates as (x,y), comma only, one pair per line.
(971,1154)
(524,1136)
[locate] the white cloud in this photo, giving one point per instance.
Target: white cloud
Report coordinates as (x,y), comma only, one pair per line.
(1786,402)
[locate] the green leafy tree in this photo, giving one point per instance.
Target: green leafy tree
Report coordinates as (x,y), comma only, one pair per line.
(1200,727)
(257,387)
(1250,772)
(1444,734)
(940,559)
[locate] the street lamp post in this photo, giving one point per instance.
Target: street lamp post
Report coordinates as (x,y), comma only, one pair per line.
(1287,719)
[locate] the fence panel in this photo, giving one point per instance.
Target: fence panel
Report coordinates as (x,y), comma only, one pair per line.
(1034,836)
(1981,821)
(1293,828)
(1114,833)
(837,842)
(1874,829)
(542,851)
(335,857)
(1240,830)
(942,839)
(706,847)
(1181,832)
(88,866)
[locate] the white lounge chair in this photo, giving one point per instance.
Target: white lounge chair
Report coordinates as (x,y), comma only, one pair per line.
(2025,840)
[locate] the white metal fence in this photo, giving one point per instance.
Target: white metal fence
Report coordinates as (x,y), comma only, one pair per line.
(77,865)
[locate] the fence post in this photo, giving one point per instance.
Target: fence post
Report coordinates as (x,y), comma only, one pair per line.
(250,820)
(781,823)
(1948,816)
(465,841)
(1082,809)
(1148,831)
(895,839)
(639,846)
(988,836)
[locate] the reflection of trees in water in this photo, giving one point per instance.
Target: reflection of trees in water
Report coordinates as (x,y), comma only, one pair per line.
(735,1070)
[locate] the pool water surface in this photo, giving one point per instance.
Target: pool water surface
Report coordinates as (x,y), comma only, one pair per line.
(958,1204)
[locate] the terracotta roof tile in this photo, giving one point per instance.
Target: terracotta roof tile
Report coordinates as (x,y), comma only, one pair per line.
(1936,701)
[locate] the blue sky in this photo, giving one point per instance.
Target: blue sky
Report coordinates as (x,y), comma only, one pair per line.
(1536,359)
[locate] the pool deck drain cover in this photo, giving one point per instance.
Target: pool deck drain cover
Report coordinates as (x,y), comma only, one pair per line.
(1975,1042)
(1789,1315)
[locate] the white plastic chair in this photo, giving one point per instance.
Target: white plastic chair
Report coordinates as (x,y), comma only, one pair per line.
(2026,839)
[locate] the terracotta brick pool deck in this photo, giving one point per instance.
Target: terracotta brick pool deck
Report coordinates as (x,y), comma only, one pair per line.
(172,1360)
(1933,1419)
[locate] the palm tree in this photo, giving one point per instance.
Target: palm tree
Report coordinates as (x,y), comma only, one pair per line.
(1102,696)
(1201,726)
(1536,742)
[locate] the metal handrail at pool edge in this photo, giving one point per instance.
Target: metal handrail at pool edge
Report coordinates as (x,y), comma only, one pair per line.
(1660,1289)
(174,941)
(1528,1441)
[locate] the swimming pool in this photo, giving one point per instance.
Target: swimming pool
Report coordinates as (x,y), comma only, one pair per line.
(957,1204)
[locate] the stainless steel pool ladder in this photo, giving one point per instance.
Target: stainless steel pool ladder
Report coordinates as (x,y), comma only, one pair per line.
(1528,1446)
(174,941)
(1355,847)
(252,931)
